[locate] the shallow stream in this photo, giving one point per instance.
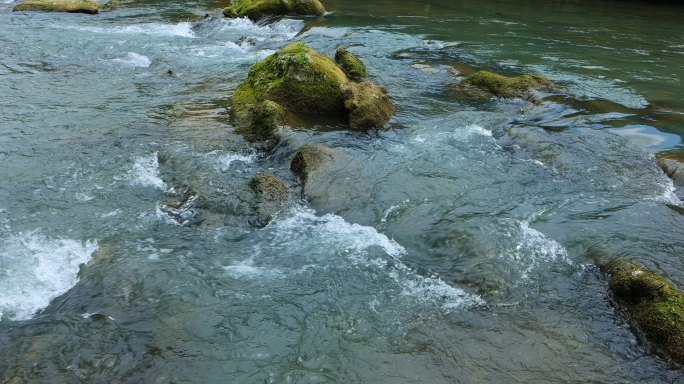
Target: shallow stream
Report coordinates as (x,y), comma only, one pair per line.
(468,253)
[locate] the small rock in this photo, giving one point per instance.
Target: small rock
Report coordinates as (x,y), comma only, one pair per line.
(368,105)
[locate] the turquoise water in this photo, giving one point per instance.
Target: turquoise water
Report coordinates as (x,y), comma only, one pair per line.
(463,250)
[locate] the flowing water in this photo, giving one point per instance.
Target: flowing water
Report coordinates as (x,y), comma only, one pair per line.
(128,250)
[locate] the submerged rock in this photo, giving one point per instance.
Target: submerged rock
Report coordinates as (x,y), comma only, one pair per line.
(72,6)
(350,64)
(508,87)
(299,79)
(257,9)
(332,179)
(368,104)
(656,305)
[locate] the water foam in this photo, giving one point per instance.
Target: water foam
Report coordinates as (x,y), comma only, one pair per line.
(532,248)
(329,241)
(222,160)
(34,269)
(182,29)
(135,60)
(145,172)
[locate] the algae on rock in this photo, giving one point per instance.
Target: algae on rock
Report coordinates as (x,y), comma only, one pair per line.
(368,104)
(270,193)
(257,9)
(656,305)
(71,6)
(299,79)
(508,87)
(350,64)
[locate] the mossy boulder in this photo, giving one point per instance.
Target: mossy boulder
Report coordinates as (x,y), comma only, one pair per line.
(508,87)
(368,104)
(350,64)
(297,78)
(257,9)
(656,305)
(72,6)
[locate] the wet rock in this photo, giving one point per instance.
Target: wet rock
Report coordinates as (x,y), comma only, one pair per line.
(265,120)
(270,193)
(258,9)
(674,169)
(350,64)
(332,179)
(655,305)
(508,87)
(368,105)
(299,79)
(72,6)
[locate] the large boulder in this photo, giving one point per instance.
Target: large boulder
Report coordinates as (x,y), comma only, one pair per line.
(299,79)
(655,305)
(508,87)
(368,104)
(257,9)
(72,6)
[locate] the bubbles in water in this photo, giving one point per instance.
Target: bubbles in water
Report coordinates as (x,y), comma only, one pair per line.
(35,269)
(135,60)
(145,172)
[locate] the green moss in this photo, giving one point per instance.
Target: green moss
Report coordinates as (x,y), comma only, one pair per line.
(309,158)
(350,64)
(268,188)
(507,87)
(257,9)
(368,105)
(72,6)
(264,124)
(297,78)
(656,305)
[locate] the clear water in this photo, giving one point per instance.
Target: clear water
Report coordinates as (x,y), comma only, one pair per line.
(466,253)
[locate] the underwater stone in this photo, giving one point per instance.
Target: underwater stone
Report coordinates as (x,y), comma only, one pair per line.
(350,64)
(257,9)
(71,6)
(508,87)
(656,305)
(368,105)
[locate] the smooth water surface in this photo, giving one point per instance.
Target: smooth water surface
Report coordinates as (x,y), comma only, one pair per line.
(466,251)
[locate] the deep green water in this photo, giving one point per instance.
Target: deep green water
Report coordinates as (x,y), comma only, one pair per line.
(465,252)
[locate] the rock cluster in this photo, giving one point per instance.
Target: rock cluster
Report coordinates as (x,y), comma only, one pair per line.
(258,9)
(299,79)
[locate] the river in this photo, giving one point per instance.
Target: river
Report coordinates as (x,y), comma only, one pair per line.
(128,250)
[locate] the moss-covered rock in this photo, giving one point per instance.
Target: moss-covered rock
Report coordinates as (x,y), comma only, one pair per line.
(72,6)
(268,188)
(656,305)
(264,121)
(271,194)
(350,64)
(297,78)
(508,87)
(368,105)
(257,9)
